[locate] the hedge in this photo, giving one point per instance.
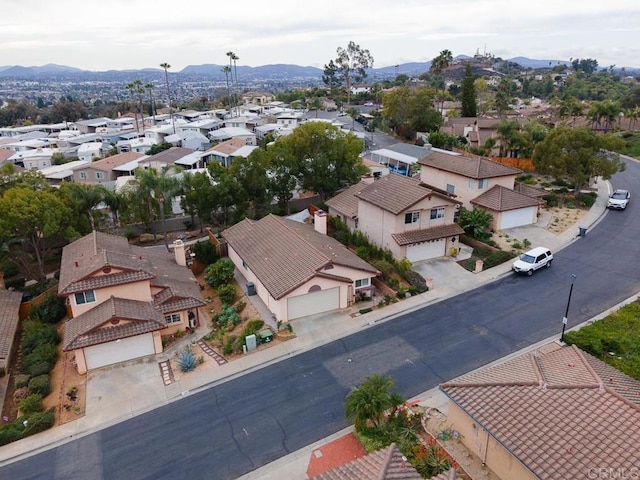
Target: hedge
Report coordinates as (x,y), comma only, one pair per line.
(40,384)
(31,404)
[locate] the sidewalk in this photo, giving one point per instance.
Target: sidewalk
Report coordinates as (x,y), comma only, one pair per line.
(140,387)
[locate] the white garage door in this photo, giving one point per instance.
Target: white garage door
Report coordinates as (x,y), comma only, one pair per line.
(312,303)
(125,349)
(517,218)
(426,250)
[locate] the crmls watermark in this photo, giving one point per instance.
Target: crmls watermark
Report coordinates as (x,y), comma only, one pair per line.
(615,473)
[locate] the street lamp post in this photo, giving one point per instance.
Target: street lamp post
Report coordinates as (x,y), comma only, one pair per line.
(566,313)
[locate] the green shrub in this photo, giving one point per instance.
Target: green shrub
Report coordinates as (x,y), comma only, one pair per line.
(40,384)
(41,368)
(187,360)
(367,310)
(393,283)
(498,258)
(16,283)
(10,269)
(50,310)
(228,345)
(37,333)
(385,267)
(219,273)
(10,433)
(21,380)
(205,252)
(44,353)
(416,280)
(363,252)
(252,326)
(31,404)
(401,292)
(552,199)
(226,292)
(38,422)
(586,199)
(228,315)
(130,234)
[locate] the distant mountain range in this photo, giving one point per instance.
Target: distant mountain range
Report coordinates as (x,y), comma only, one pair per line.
(271,72)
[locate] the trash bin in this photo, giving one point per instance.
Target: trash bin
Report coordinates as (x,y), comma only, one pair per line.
(251,288)
(265,335)
(583,231)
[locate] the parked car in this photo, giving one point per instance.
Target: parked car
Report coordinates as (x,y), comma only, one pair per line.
(368,104)
(619,199)
(532,260)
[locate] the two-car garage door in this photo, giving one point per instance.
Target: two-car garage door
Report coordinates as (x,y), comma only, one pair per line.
(426,250)
(122,350)
(313,303)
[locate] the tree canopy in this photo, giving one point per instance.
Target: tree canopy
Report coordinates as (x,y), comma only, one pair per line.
(348,67)
(578,153)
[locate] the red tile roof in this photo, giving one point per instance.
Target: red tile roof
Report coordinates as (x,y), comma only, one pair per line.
(394,193)
(9,320)
(427,234)
(108,163)
(554,412)
(346,202)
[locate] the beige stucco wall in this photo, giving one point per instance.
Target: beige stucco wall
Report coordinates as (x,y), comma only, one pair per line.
(81,363)
(133,291)
(157,342)
(440,179)
(485,447)
(496,222)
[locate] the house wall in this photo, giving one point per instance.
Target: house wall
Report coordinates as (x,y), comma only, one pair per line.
(133,291)
(485,447)
(92,176)
(462,190)
(81,363)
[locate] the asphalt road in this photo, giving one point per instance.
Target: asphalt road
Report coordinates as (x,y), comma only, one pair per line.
(240,425)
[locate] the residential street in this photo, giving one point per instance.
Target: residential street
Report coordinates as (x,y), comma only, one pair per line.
(242,424)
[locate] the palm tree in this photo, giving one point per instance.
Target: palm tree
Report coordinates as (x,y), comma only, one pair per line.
(369,401)
(232,63)
(137,87)
(227,70)
(439,65)
(115,201)
(166,67)
(315,104)
(87,197)
(131,87)
(149,87)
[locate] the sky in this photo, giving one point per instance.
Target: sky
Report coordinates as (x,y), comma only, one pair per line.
(135,34)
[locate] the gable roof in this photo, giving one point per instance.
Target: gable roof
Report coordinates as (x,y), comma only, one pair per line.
(170,155)
(394,193)
(108,163)
(471,167)
(9,320)
(111,320)
(85,262)
(283,254)
(384,464)
(346,201)
(554,411)
(502,199)
(529,190)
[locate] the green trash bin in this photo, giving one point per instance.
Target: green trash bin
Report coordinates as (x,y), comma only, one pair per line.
(265,335)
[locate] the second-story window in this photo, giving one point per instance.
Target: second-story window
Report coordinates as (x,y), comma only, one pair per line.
(412,217)
(482,183)
(85,297)
(437,213)
(450,188)
(99,175)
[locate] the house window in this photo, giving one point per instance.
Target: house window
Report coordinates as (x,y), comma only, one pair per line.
(482,183)
(173,318)
(83,175)
(412,217)
(450,188)
(472,183)
(365,282)
(85,297)
(99,175)
(437,213)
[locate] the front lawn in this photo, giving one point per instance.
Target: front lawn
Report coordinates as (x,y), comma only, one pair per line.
(614,339)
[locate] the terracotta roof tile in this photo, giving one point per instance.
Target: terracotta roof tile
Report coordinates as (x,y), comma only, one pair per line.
(284,253)
(108,163)
(133,317)
(384,464)
(425,235)
(471,167)
(553,413)
(394,193)
(502,199)
(529,190)
(9,320)
(228,147)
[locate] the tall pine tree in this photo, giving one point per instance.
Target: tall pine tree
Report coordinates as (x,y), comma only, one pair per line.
(469,107)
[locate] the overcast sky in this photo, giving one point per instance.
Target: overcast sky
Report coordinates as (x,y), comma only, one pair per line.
(122,34)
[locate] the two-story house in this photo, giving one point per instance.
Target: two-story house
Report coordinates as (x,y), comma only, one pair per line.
(102,171)
(122,298)
(401,214)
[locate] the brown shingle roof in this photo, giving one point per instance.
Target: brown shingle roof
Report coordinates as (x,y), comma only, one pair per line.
(501,199)
(228,147)
(554,412)
(427,234)
(525,189)
(108,163)
(346,202)
(384,464)
(394,193)
(134,318)
(284,254)
(471,167)
(170,155)
(9,320)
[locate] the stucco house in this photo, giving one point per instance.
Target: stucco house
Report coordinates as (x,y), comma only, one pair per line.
(296,269)
(554,413)
(122,298)
(102,171)
(402,214)
(508,208)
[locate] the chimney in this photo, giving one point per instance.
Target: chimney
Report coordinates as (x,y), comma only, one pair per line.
(178,250)
(320,221)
